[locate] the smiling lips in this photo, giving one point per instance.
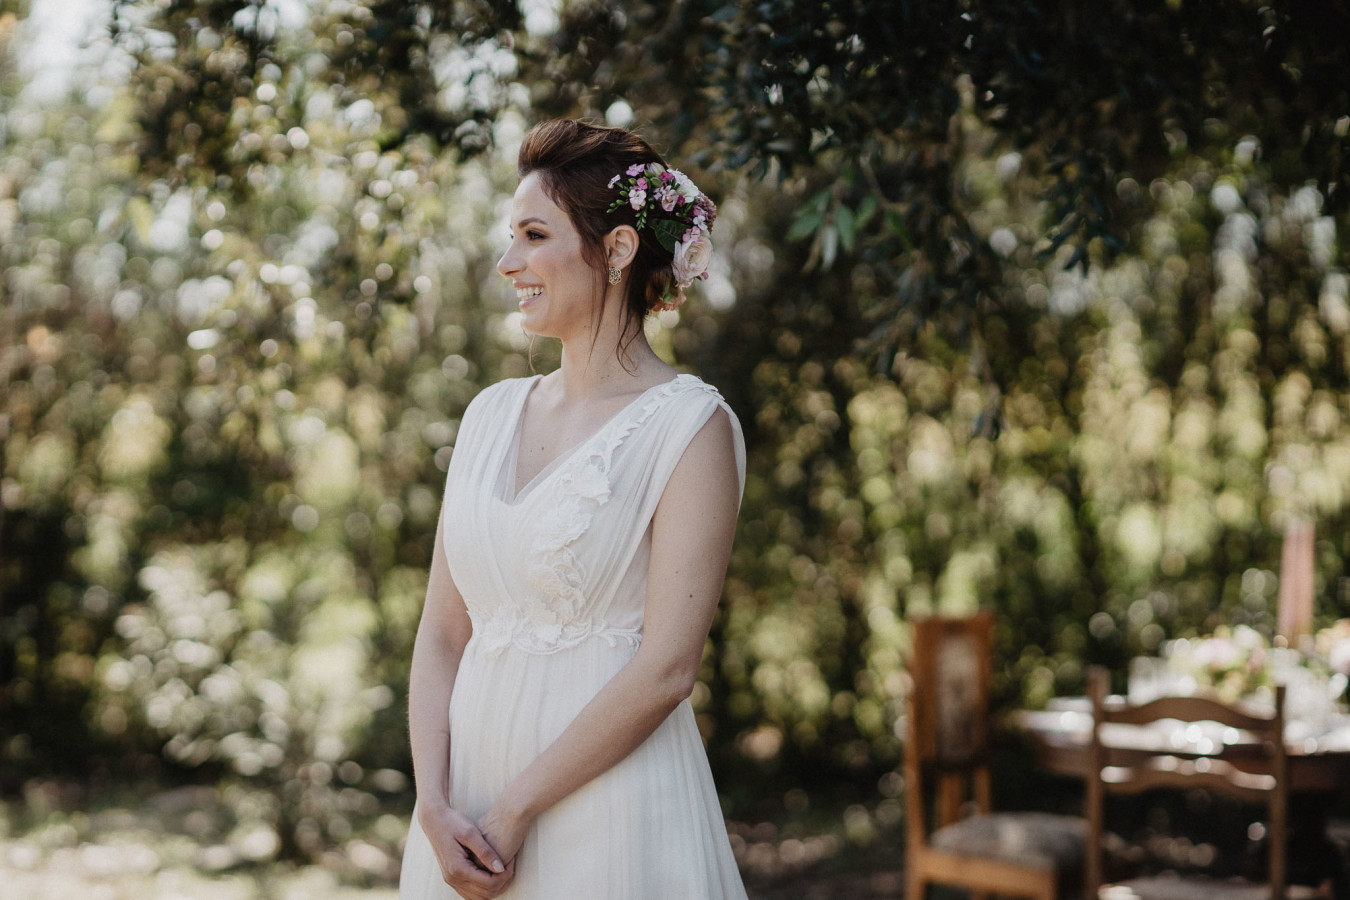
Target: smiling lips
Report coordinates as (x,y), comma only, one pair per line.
(526,293)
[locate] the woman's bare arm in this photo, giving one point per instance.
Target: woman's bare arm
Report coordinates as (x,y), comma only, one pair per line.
(692,533)
(464,855)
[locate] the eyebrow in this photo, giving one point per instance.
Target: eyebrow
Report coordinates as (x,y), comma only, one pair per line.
(531,220)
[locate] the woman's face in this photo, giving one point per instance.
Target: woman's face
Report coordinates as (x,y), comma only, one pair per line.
(554,285)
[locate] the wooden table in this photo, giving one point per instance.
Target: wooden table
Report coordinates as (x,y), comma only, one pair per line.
(1317,763)
(1319,768)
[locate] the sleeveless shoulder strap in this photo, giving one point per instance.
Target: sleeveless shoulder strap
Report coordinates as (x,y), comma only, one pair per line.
(668,422)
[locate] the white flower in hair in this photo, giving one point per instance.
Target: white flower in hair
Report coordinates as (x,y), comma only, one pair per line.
(685,186)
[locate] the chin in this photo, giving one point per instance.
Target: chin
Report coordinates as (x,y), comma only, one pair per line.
(537,327)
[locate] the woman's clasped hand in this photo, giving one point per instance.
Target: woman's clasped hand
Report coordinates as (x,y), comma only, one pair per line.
(469,862)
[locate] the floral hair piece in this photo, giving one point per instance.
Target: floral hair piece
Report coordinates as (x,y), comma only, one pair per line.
(678,214)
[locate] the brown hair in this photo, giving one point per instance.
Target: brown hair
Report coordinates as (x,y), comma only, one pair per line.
(576,161)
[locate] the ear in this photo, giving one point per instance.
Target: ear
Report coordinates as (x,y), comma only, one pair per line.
(621,246)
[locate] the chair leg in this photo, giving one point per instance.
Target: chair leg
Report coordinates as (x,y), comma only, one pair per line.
(914,886)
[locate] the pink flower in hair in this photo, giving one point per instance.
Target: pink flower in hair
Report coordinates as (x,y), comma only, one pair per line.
(692,256)
(679,216)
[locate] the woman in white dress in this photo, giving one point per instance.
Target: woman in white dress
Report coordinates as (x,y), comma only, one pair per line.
(582,544)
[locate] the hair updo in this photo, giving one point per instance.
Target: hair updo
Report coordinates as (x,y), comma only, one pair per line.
(576,162)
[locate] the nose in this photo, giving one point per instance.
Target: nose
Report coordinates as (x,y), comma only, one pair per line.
(509,264)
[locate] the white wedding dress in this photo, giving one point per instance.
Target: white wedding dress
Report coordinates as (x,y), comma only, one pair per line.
(554,578)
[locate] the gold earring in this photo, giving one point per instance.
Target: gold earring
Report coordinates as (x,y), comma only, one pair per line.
(615,275)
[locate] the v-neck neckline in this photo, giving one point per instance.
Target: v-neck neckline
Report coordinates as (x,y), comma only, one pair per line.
(513,494)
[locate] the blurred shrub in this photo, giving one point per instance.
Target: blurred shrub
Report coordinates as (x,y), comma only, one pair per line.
(233,362)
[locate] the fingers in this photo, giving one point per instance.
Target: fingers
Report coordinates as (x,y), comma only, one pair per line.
(472,883)
(502,832)
(508,876)
(480,870)
(465,856)
(504,879)
(475,846)
(480,851)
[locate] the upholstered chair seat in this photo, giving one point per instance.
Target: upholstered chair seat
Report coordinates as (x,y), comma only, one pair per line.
(1027,838)
(1174,887)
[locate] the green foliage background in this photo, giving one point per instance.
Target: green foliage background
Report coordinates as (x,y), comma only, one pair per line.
(1007,325)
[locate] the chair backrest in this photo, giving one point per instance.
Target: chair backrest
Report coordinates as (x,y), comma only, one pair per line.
(1260,777)
(948,715)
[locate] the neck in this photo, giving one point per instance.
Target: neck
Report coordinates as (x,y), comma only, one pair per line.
(592,362)
(587,370)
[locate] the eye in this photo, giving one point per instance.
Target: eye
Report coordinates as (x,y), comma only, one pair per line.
(534,235)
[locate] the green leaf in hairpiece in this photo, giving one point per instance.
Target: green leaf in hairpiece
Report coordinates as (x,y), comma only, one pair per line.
(669,232)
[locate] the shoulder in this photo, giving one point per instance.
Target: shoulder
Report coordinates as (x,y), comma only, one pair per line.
(490,405)
(499,394)
(719,434)
(507,387)
(692,392)
(702,425)
(707,403)
(709,468)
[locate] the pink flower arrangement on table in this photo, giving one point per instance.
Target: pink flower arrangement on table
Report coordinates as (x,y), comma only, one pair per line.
(1332,644)
(1232,662)
(1239,662)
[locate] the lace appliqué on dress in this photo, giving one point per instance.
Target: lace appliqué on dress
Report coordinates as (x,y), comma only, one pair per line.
(553,616)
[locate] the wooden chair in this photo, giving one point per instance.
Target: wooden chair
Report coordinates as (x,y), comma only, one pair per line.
(946,754)
(1261,779)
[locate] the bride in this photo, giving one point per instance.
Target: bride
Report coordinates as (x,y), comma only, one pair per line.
(583,539)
